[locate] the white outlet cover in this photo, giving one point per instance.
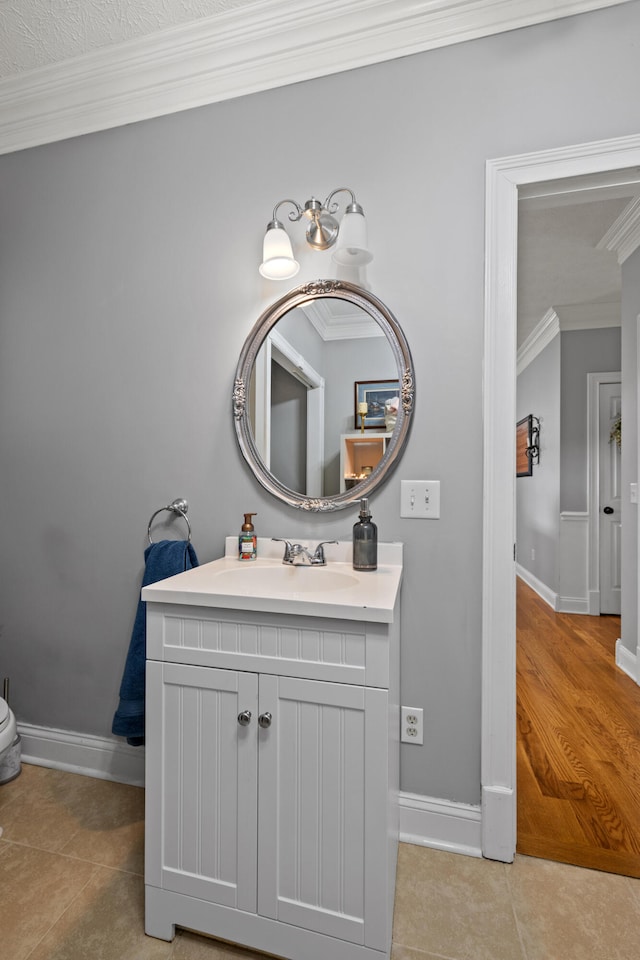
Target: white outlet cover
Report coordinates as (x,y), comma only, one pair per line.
(411,725)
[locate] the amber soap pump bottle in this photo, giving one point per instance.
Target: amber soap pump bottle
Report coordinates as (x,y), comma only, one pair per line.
(365,540)
(247,541)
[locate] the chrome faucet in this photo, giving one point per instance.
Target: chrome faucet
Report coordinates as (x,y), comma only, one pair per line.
(298,555)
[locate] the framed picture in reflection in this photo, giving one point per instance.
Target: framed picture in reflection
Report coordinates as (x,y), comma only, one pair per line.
(371,396)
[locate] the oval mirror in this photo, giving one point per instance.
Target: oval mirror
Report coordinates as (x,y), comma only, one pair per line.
(323,395)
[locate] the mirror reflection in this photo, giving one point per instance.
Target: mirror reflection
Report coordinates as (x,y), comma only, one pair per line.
(323,395)
(308,376)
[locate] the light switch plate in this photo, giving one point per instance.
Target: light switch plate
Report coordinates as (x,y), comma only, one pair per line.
(420,499)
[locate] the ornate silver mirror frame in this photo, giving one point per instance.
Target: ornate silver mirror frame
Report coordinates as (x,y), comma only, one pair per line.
(321,289)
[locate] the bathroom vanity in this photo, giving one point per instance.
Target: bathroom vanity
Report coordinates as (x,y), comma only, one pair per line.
(272,753)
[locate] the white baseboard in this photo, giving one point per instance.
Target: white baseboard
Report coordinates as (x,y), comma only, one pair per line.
(441,824)
(573,605)
(627,661)
(106,759)
(547,594)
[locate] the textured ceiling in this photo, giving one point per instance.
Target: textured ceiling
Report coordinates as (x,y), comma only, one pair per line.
(36,33)
(559,265)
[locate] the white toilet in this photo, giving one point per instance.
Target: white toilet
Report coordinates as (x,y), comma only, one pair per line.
(9,744)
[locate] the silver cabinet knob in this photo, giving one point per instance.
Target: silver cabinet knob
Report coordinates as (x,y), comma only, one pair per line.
(265,719)
(244,718)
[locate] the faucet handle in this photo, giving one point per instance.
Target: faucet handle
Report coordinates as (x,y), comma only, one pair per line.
(318,556)
(287,548)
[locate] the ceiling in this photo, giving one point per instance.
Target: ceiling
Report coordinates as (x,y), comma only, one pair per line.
(563,261)
(37,33)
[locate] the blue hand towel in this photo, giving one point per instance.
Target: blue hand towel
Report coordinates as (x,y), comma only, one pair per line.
(162,560)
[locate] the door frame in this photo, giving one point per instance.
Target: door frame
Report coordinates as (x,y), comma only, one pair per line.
(278,349)
(504,177)
(594,382)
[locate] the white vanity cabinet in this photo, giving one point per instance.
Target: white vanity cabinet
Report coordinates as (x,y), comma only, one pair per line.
(272,778)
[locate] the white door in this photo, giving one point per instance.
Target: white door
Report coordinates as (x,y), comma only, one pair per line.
(609,499)
(322,810)
(201,783)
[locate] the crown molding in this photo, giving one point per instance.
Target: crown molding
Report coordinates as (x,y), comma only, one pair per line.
(539,338)
(623,236)
(574,316)
(348,325)
(255,47)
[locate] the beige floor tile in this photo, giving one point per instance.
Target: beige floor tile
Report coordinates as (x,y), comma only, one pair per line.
(454,906)
(35,889)
(572,913)
(111,829)
(30,780)
(189,946)
(105,922)
(51,808)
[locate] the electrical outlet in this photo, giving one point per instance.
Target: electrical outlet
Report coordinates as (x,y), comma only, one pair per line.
(411,730)
(420,499)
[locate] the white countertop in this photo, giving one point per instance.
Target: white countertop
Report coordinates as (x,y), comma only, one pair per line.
(266,584)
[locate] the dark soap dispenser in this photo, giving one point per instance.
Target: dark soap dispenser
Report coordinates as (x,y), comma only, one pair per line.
(365,540)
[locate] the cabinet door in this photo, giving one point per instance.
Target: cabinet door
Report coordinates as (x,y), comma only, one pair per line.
(323,774)
(201,783)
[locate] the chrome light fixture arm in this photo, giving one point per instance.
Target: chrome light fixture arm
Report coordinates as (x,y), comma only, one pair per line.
(293,216)
(353,207)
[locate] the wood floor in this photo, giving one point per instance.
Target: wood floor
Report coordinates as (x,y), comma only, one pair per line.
(578,741)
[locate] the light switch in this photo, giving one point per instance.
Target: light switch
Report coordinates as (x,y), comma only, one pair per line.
(633,492)
(420,499)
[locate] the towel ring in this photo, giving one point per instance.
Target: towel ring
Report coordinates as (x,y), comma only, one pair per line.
(179,507)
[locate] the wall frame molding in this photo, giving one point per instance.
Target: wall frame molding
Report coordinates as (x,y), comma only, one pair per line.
(245,50)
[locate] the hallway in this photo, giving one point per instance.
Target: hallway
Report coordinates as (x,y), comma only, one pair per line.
(578,740)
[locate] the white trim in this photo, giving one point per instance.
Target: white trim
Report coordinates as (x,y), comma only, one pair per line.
(539,338)
(623,236)
(440,824)
(573,562)
(544,592)
(105,759)
(504,178)
(348,325)
(627,661)
(255,47)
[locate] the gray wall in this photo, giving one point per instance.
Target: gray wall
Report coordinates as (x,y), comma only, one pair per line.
(128,282)
(629,459)
(582,352)
(538,496)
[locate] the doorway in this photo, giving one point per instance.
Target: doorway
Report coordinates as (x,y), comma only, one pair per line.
(504,180)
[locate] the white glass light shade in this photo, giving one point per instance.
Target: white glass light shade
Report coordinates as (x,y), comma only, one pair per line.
(277,255)
(351,247)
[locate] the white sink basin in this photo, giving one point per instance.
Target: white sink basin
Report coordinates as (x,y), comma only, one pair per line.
(252,579)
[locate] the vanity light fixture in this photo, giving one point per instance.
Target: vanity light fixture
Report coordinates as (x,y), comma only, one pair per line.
(323,231)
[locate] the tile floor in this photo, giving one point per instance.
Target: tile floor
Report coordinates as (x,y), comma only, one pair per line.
(71,889)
